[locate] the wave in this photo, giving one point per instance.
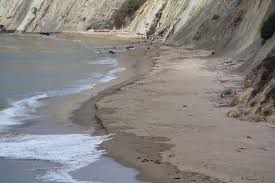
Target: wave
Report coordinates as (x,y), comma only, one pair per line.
(20,110)
(89,83)
(71,151)
(106,61)
(23,109)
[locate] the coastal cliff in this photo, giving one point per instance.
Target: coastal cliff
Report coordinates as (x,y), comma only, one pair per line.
(55,15)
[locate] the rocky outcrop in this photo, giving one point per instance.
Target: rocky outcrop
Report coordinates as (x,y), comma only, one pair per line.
(257,101)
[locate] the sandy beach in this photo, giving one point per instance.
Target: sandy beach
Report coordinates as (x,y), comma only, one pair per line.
(168,122)
(137,91)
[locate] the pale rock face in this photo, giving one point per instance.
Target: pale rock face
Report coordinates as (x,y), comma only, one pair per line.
(54,15)
(145,17)
(229,25)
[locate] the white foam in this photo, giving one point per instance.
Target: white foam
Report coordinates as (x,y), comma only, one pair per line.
(23,109)
(109,76)
(106,61)
(19,110)
(72,151)
(87,84)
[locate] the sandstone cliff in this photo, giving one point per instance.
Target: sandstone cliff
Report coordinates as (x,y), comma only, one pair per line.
(56,15)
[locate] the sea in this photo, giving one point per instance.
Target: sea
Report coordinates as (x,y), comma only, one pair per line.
(39,75)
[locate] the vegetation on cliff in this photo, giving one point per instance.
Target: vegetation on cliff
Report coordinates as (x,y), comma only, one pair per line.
(268,27)
(126,12)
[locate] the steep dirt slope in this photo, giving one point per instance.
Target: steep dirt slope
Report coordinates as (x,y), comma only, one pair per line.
(257,101)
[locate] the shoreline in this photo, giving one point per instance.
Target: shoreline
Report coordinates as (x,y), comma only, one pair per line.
(137,63)
(158,171)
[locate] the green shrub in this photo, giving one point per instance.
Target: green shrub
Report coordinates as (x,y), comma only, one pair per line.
(134,5)
(126,11)
(268,27)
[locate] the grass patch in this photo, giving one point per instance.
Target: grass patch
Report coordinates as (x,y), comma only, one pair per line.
(126,12)
(268,27)
(268,72)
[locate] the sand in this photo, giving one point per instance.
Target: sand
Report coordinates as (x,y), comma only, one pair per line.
(169,124)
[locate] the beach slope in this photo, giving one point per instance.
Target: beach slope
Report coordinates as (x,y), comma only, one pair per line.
(169,125)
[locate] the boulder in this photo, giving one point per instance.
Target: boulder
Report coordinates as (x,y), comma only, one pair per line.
(233,114)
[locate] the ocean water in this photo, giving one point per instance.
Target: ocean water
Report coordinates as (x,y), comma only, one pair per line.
(33,70)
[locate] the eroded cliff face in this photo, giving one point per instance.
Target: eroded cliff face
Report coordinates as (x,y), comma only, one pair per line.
(257,100)
(221,25)
(56,15)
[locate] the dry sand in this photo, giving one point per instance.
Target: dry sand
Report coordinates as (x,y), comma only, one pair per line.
(167,124)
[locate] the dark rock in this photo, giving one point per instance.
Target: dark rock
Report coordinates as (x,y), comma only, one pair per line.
(215,17)
(145,160)
(157,162)
(112,52)
(2,28)
(213,53)
(45,33)
(228,93)
(130,47)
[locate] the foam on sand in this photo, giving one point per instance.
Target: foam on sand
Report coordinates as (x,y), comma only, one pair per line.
(72,152)
(106,61)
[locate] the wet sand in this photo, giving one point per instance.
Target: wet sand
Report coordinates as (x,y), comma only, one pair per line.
(169,125)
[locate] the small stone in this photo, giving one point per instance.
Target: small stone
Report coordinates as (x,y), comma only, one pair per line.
(45,33)
(242,148)
(264,148)
(233,114)
(145,160)
(215,17)
(248,137)
(157,162)
(130,47)
(228,93)
(112,52)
